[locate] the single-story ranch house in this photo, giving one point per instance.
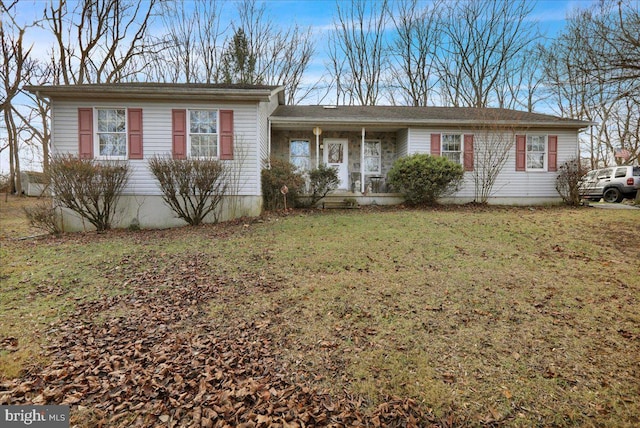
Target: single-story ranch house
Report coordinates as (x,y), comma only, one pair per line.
(246,125)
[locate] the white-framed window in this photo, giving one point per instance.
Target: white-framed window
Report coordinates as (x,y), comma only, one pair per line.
(372,157)
(536,152)
(203,133)
(111,132)
(300,154)
(451,147)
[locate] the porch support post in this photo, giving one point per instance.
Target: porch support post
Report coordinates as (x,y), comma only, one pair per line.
(362,163)
(317,131)
(317,150)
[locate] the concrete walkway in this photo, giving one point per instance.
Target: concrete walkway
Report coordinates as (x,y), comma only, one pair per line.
(621,206)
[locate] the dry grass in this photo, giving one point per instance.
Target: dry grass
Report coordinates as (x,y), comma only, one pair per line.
(503,315)
(12,220)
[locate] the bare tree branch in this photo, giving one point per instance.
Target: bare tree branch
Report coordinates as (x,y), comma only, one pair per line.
(357,48)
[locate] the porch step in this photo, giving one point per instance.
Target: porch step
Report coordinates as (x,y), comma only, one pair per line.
(344,204)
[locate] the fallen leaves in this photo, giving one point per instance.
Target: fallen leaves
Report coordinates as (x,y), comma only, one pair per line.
(165,363)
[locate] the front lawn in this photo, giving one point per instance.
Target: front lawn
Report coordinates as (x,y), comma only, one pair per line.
(451,316)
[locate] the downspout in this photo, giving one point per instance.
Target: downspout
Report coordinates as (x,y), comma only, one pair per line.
(362,162)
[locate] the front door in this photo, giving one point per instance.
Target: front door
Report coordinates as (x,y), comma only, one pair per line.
(336,156)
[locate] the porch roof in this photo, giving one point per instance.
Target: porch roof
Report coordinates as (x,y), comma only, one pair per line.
(396,117)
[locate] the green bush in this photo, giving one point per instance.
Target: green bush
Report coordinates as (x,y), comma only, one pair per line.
(322,180)
(423,179)
(281,173)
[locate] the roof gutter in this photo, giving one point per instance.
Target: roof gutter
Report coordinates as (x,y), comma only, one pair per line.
(142,93)
(355,122)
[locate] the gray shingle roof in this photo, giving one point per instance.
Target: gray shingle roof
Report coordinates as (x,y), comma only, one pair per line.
(397,115)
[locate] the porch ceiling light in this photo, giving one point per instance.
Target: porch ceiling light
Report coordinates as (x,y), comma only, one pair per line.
(317,131)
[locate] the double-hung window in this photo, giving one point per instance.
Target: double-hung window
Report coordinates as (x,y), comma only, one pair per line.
(451,147)
(536,152)
(372,157)
(300,154)
(203,133)
(111,132)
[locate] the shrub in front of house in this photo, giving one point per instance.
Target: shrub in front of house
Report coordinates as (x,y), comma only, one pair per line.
(88,187)
(322,180)
(423,179)
(43,216)
(193,188)
(568,181)
(281,173)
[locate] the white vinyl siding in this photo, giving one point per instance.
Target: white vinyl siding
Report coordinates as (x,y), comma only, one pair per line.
(157,137)
(419,141)
(510,183)
(402,141)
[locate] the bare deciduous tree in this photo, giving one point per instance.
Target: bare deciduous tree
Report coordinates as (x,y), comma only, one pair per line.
(255,50)
(414,49)
(99,41)
(616,28)
(281,56)
(357,58)
(483,45)
(584,88)
(16,68)
(190,48)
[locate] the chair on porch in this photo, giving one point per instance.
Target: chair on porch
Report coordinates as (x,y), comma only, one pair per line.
(377,183)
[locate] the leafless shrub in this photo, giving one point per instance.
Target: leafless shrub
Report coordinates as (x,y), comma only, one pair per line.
(192,188)
(568,181)
(43,216)
(88,187)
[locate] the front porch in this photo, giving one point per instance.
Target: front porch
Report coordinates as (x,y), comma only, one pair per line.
(362,159)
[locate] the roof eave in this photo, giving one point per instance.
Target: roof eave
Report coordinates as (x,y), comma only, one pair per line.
(276,120)
(200,94)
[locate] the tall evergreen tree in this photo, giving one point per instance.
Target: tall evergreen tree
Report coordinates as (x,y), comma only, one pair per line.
(238,62)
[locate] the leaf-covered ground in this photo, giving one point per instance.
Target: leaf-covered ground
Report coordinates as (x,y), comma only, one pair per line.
(154,356)
(453,317)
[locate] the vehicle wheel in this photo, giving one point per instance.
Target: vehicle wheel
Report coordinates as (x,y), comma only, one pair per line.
(612,194)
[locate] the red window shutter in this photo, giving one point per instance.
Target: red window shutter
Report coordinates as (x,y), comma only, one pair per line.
(134,122)
(552,162)
(226,134)
(468,152)
(179,133)
(521,152)
(435,144)
(85,133)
